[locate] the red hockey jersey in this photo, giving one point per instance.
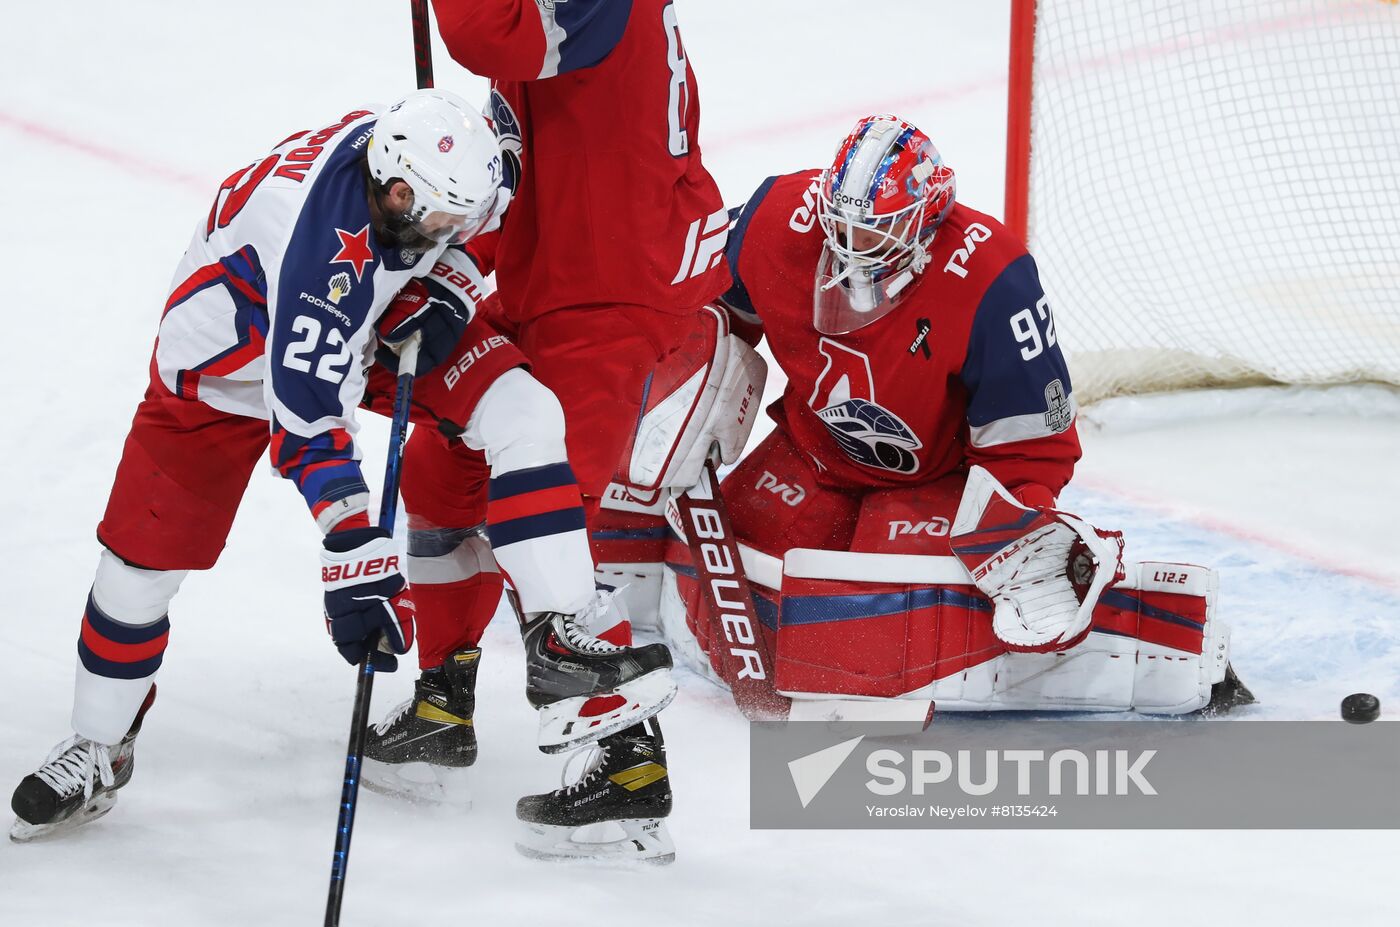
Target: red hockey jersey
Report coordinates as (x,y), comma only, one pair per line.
(966,370)
(596,102)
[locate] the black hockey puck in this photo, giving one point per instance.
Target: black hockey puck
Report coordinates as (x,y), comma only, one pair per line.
(1361,708)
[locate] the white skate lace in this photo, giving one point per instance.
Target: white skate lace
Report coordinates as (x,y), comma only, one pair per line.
(382,727)
(71,766)
(575,626)
(593,756)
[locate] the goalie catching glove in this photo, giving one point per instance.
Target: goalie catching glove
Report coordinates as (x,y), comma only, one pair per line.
(1044,570)
(368,607)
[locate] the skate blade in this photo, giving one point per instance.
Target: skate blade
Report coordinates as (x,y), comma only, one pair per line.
(24,832)
(420,783)
(564,728)
(628,841)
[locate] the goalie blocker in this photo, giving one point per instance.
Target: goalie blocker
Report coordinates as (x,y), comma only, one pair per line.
(1054,621)
(701,405)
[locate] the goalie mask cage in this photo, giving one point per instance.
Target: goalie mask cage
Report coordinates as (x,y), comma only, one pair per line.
(1211,188)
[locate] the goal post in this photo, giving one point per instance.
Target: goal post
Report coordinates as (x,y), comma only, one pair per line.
(1211,188)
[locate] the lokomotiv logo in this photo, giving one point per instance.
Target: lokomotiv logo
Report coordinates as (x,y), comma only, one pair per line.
(933,527)
(804,218)
(792,494)
(957,264)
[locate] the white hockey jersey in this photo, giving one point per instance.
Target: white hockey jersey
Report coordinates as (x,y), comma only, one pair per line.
(271,313)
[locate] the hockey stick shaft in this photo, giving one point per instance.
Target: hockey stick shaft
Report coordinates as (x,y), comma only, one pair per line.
(422,43)
(388,511)
(364,678)
(735,632)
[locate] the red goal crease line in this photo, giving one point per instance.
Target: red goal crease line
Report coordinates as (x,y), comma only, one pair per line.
(119,158)
(1238,531)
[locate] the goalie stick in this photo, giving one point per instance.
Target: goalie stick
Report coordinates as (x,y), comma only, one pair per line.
(388,510)
(736,635)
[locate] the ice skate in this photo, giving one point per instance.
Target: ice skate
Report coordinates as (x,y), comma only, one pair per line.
(615,811)
(77,784)
(586,688)
(423,749)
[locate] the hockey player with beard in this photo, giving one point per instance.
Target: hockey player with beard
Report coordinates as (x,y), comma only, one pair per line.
(311,261)
(612,246)
(928,415)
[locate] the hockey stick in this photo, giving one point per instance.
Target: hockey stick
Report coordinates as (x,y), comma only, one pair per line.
(388,510)
(422,44)
(734,625)
(364,680)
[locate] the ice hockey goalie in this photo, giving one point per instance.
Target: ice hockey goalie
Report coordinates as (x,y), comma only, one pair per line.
(899,527)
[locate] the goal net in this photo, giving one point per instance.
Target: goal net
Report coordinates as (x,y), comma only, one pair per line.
(1211,187)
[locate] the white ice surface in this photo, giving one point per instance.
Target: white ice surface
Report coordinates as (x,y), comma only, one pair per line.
(116,123)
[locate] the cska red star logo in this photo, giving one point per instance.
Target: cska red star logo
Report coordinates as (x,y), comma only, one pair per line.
(354,250)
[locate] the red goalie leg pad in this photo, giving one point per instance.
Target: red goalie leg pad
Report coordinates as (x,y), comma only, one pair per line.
(453,616)
(1168,619)
(878,639)
(628,537)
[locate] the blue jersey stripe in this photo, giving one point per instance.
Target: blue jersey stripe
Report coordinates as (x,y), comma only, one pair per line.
(517,482)
(738,294)
(820,609)
(631,534)
(1127,603)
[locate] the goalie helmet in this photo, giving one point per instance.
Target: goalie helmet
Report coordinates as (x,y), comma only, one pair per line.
(880,204)
(447,154)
